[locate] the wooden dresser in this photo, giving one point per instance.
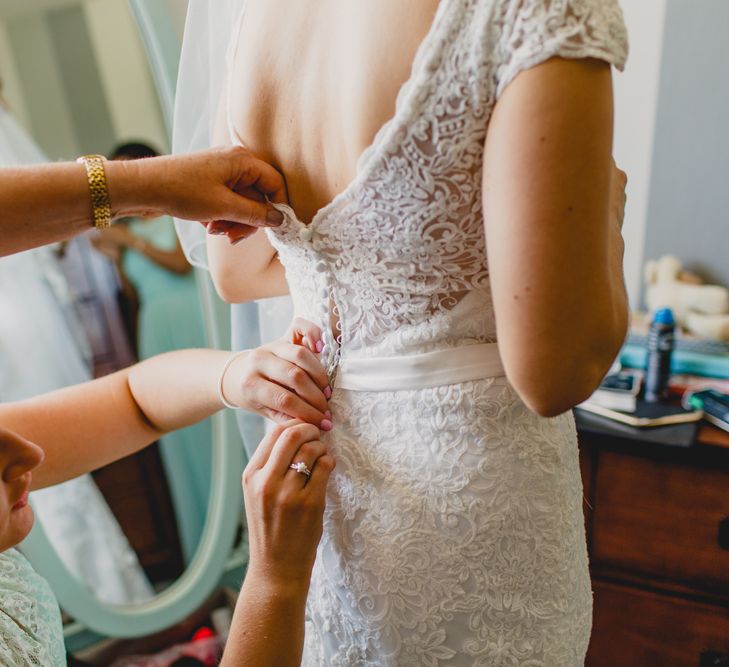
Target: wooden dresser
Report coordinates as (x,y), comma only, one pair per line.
(658,536)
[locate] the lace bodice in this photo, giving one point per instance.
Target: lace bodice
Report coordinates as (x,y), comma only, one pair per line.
(30,620)
(453,532)
(400,256)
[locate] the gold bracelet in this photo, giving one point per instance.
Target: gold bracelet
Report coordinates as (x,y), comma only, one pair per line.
(100,204)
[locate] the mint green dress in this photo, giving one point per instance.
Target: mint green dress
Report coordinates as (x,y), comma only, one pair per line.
(31,632)
(170,318)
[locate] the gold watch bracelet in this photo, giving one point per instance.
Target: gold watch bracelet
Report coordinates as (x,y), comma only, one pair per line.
(99,190)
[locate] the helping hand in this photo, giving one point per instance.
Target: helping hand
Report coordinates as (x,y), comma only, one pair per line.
(285,508)
(283,380)
(226,185)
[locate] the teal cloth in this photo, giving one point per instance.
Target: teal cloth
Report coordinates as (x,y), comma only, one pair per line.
(31,632)
(170,318)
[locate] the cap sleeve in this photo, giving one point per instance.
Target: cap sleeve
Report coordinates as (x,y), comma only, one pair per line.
(533,31)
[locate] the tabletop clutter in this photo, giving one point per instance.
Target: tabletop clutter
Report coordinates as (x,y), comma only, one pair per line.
(674,366)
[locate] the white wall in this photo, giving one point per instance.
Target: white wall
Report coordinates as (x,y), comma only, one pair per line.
(39,76)
(124,72)
(636,97)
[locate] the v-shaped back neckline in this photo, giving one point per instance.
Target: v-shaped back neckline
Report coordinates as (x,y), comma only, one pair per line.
(366,159)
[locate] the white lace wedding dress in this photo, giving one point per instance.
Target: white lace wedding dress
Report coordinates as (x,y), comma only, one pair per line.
(454,529)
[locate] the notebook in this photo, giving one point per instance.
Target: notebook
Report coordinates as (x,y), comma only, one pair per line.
(645,414)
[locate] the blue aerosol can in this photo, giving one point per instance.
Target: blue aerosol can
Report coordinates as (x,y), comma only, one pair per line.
(658,362)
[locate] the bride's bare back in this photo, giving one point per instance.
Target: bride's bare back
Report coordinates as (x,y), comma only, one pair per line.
(315,81)
(312,83)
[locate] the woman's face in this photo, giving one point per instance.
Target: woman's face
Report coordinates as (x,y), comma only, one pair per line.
(18,457)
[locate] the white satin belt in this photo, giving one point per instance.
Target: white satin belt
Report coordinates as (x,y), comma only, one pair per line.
(417,371)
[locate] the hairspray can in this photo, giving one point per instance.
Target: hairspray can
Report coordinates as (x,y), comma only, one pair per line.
(658,363)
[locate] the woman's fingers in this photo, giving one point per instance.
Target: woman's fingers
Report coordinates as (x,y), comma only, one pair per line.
(287,445)
(272,396)
(618,194)
(265,447)
(303,332)
(292,376)
(254,173)
(232,230)
(317,483)
(304,359)
(307,456)
(268,383)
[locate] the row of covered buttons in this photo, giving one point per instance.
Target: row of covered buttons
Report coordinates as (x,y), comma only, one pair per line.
(306,234)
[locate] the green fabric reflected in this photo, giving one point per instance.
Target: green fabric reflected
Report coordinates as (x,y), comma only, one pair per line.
(170,318)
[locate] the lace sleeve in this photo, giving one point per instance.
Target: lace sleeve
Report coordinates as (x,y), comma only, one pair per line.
(533,31)
(31,634)
(18,647)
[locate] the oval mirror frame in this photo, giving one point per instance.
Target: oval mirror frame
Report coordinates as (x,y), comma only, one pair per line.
(207,567)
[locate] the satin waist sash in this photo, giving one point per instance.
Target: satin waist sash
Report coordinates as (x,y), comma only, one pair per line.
(417,371)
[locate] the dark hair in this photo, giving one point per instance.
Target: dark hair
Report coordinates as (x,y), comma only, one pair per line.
(133,150)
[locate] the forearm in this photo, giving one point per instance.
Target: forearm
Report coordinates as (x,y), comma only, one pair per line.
(559,359)
(179,388)
(87,426)
(46,203)
(43,204)
(268,625)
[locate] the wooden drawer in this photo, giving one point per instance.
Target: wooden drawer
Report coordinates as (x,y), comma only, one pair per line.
(662,519)
(634,628)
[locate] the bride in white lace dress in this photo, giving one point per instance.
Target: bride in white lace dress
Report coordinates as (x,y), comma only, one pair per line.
(472,206)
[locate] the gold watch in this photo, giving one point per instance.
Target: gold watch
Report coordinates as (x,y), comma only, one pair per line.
(100,204)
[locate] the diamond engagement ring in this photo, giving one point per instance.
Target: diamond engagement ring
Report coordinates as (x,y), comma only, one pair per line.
(301,467)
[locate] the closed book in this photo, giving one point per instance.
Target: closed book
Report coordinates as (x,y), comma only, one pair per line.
(618,391)
(714,404)
(645,414)
(676,435)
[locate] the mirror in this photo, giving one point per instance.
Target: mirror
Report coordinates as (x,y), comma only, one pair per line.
(142,543)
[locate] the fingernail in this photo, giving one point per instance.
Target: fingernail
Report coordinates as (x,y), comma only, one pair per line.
(326,425)
(328,392)
(319,346)
(237,241)
(274,217)
(328,414)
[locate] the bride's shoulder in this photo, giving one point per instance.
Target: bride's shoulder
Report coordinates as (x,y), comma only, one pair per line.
(513,35)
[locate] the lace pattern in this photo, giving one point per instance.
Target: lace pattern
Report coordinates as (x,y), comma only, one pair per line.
(464,546)
(30,620)
(454,532)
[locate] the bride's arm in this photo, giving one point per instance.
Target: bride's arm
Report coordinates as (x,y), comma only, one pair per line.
(553,237)
(248,269)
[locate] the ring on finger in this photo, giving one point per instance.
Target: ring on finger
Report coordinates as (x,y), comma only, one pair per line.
(300,466)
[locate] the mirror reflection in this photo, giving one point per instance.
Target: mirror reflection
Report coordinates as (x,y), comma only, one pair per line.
(76,81)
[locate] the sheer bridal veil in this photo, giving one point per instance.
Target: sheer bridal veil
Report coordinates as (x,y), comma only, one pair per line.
(203,70)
